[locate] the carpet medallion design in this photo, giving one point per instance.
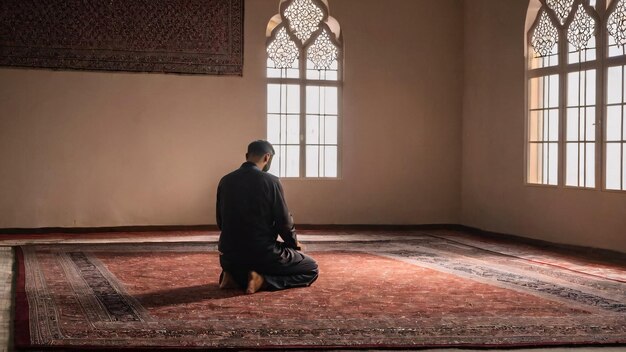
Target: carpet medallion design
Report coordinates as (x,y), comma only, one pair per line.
(425,291)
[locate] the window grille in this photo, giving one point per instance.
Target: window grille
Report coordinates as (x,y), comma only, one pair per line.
(576,95)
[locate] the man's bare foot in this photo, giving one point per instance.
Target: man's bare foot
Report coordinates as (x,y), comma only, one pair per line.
(227,281)
(255,282)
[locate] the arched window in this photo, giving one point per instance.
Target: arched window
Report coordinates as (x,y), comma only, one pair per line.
(575,124)
(304,70)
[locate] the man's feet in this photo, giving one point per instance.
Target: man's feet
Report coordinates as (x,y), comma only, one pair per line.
(227,281)
(255,282)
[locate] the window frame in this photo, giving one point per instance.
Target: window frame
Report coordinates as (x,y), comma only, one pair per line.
(303,83)
(609,62)
(563,69)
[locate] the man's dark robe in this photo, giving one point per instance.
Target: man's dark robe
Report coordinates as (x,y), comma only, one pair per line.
(252,213)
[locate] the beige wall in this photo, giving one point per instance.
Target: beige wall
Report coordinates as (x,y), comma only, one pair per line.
(110,149)
(494,195)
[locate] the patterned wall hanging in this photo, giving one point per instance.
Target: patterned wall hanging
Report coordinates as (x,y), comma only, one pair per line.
(177,36)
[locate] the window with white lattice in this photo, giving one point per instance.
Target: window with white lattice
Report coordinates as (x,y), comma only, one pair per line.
(304,70)
(576,95)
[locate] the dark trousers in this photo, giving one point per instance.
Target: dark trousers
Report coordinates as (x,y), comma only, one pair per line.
(299,271)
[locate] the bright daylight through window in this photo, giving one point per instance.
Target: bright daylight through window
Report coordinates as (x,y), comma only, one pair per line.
(304,69)
(576,125)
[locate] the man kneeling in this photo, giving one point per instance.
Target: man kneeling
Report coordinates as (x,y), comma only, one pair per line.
(251,213)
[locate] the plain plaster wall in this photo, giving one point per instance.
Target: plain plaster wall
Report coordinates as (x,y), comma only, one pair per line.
(92,149)
(495,197)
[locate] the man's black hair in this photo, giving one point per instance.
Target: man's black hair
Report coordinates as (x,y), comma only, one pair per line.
(260,147)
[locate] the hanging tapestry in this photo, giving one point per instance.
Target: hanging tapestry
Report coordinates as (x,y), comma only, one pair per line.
(177,36)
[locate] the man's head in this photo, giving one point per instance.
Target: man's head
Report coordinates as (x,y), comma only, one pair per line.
(261,153)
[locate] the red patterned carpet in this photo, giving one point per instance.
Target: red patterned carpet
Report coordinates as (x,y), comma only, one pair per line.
(422,292)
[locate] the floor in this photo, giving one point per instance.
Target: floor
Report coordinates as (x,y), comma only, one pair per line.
(7,269)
